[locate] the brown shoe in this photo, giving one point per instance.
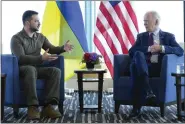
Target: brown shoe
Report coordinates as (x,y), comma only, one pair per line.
(50,112)
(33,113)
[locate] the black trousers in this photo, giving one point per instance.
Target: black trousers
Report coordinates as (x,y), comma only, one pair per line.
(140,72)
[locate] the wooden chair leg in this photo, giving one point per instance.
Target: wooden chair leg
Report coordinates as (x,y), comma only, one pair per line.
(16,111)
(60,107)
(162,109)
(117,105)
(183,106)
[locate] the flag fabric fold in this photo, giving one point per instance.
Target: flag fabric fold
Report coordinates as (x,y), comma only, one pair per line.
(116,30)
(63,21)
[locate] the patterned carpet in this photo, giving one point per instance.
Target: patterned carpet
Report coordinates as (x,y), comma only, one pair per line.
(73,115)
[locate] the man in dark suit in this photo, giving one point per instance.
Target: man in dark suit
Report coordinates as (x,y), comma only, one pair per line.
(146,55)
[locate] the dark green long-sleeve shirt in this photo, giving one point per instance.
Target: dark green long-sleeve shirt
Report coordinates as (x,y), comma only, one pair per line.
(28,50)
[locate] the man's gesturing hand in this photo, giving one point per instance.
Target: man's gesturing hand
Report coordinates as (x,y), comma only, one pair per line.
(48,57)
(68,47)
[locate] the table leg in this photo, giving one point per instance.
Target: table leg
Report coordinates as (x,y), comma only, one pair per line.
(100,87)
(80,88)
(3,82)
(178,92)
(183,104)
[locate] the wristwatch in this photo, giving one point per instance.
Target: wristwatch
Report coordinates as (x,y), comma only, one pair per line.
(161,48)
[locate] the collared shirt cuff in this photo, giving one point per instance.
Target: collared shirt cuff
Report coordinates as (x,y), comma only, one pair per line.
(149,50)
(163,49)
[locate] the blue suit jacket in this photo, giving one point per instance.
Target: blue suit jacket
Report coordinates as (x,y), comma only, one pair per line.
(166,39)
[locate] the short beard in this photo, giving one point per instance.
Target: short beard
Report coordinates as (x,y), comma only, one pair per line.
(33,29)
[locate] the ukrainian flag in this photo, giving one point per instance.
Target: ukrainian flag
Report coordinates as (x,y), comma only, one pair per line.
(63,21)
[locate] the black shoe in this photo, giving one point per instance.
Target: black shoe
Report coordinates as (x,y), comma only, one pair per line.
(150,98)
(136,112)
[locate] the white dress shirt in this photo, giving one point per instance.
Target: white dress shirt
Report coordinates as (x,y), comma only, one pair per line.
(156,39)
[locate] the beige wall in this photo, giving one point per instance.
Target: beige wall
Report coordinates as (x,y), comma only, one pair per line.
(108,82)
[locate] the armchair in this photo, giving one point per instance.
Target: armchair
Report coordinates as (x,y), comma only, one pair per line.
(14,96)
(163,86)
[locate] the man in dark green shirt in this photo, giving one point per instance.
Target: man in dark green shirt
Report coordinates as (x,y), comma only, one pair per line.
(27,45)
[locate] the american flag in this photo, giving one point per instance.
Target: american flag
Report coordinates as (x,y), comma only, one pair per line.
(116,30)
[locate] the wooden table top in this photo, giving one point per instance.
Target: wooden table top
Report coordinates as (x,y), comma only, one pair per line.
(3,75)
(178,74)
(91,71)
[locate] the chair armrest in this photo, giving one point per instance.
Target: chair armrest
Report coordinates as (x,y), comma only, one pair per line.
(121,63)
(169,64)
(59,63)
(9,65)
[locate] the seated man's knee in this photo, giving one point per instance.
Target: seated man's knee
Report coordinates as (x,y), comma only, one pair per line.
(56,72)
(139,53)
(28,70)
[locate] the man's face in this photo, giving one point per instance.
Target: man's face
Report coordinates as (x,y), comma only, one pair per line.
(149,22)
(34,23)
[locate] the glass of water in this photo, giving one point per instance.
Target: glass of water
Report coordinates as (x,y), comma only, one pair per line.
(180,68)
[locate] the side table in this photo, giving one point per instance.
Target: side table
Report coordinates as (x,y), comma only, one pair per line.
(80,80)
(3,86)
(180,103)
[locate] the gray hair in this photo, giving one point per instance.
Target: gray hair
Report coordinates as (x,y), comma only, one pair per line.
(155,15)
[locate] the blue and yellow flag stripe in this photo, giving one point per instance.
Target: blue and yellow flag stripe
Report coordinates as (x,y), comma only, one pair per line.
(63,21)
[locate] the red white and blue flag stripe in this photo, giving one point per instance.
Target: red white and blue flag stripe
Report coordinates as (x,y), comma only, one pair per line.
(116,30)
